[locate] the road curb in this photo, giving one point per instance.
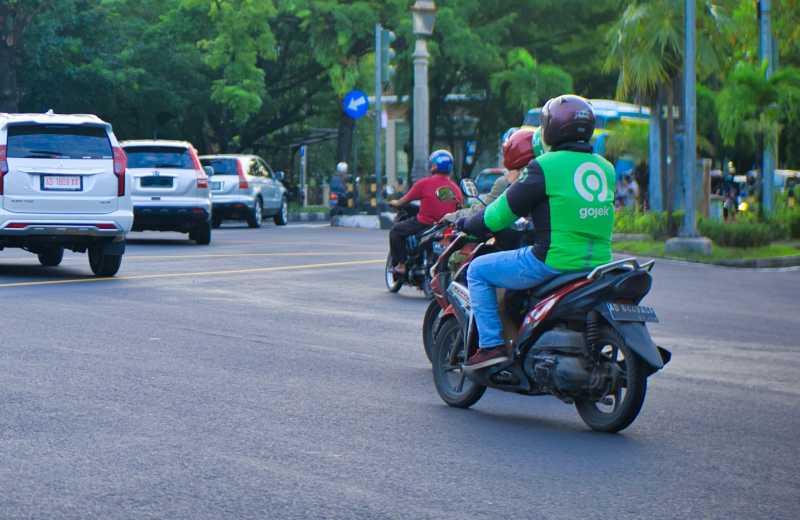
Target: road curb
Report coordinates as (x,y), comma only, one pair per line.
(309,216)
(382,221)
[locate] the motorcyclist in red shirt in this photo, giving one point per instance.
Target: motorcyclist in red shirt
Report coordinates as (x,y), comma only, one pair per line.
(438,196)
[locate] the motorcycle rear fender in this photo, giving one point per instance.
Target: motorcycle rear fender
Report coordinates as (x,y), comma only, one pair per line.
(637,337)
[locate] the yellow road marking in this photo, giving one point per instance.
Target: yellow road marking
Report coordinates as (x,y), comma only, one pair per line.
(197,273)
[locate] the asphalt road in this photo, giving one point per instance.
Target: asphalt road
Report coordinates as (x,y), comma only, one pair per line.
(270,375)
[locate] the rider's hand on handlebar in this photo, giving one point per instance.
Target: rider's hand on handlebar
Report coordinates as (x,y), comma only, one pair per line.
(394,203)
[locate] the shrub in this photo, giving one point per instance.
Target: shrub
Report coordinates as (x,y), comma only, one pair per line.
(649,223)
(737,234)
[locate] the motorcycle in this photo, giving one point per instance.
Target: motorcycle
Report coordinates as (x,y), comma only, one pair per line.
(423,251)
(435,310)
(580,337)
(507,239)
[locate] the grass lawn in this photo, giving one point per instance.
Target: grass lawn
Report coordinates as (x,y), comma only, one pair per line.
(294,207)
(656,248)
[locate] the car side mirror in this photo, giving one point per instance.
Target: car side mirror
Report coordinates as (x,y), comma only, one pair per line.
(209,170)
(280,175)
(468,188)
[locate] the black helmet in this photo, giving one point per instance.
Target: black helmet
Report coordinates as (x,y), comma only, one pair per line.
(567,119)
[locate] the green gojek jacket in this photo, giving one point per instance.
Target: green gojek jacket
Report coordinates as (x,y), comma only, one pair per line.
(569,195)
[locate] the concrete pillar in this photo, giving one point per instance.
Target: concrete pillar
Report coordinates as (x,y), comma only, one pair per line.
(421,111)
(391,153)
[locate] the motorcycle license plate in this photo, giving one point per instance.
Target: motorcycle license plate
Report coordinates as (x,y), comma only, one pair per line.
(624,312)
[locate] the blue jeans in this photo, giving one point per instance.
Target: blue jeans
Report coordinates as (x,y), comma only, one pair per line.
(517,269)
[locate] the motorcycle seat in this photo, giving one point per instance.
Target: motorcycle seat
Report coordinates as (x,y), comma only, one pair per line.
(556,282)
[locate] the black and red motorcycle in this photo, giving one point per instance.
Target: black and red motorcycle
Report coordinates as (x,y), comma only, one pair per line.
(581,337)
(423,250)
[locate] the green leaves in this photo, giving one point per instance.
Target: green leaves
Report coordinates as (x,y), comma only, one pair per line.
(751,106)
(525,84)
(241,35)
(646,44)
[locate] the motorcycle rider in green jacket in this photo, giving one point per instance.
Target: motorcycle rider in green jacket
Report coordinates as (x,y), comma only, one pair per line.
(568,193)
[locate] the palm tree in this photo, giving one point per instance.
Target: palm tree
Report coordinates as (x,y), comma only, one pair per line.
(753,107)
(646,47)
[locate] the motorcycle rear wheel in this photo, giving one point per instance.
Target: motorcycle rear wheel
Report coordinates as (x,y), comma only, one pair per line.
(453,386)
(628,396)
(392,283)
(429,326)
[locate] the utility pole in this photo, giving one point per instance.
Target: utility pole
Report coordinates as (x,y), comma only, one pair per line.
(378,110)
(689,121)
(688,241)
(768,159)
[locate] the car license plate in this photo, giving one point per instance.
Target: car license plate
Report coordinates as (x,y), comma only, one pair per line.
(62,183)
(216,186)
(624,312)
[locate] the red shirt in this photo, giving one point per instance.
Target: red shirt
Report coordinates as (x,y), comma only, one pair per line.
(438,195)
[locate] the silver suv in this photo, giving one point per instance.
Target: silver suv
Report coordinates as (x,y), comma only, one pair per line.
(63,185)
(169,188)
(244,187)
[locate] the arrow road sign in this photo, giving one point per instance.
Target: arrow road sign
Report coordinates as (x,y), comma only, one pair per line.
(355,104)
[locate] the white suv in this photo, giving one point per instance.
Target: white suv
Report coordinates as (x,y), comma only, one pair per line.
(170,188)
(63,185)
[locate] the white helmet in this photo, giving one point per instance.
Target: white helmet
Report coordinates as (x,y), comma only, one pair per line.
(341,168)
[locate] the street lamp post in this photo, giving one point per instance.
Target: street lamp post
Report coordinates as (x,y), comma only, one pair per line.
(424,17)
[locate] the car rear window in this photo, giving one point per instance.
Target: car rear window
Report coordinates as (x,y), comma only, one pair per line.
(226,166)
(58,142)
(159,157)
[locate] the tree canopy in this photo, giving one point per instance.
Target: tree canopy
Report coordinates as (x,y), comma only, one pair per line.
(258,75)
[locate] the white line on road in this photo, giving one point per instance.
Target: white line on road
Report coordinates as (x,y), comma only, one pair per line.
(195,274)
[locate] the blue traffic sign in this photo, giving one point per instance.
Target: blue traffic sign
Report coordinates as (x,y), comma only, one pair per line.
(355,104)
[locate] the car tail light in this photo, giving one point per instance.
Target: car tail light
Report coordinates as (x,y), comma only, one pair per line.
(243,184)
(120,165)
(105,226)
(3,166)
(202,178)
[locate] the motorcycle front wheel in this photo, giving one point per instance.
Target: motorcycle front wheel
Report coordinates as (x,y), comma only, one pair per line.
(451,383)
(429,325)
(621,405)
(392,283)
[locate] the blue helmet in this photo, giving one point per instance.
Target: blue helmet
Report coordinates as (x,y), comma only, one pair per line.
(441,161)
(508,134)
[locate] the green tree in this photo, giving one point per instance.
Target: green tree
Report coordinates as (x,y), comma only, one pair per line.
(16,16)
(646,48)
(241,36)
(752,107)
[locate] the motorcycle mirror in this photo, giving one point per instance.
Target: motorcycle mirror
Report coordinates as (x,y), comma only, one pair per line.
(469,188)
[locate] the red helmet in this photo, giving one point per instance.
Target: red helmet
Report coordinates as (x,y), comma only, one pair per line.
(567,119)
(518,149)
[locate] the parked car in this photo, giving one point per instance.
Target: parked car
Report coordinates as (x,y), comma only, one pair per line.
(169,188)
(63,185)
(244,187)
